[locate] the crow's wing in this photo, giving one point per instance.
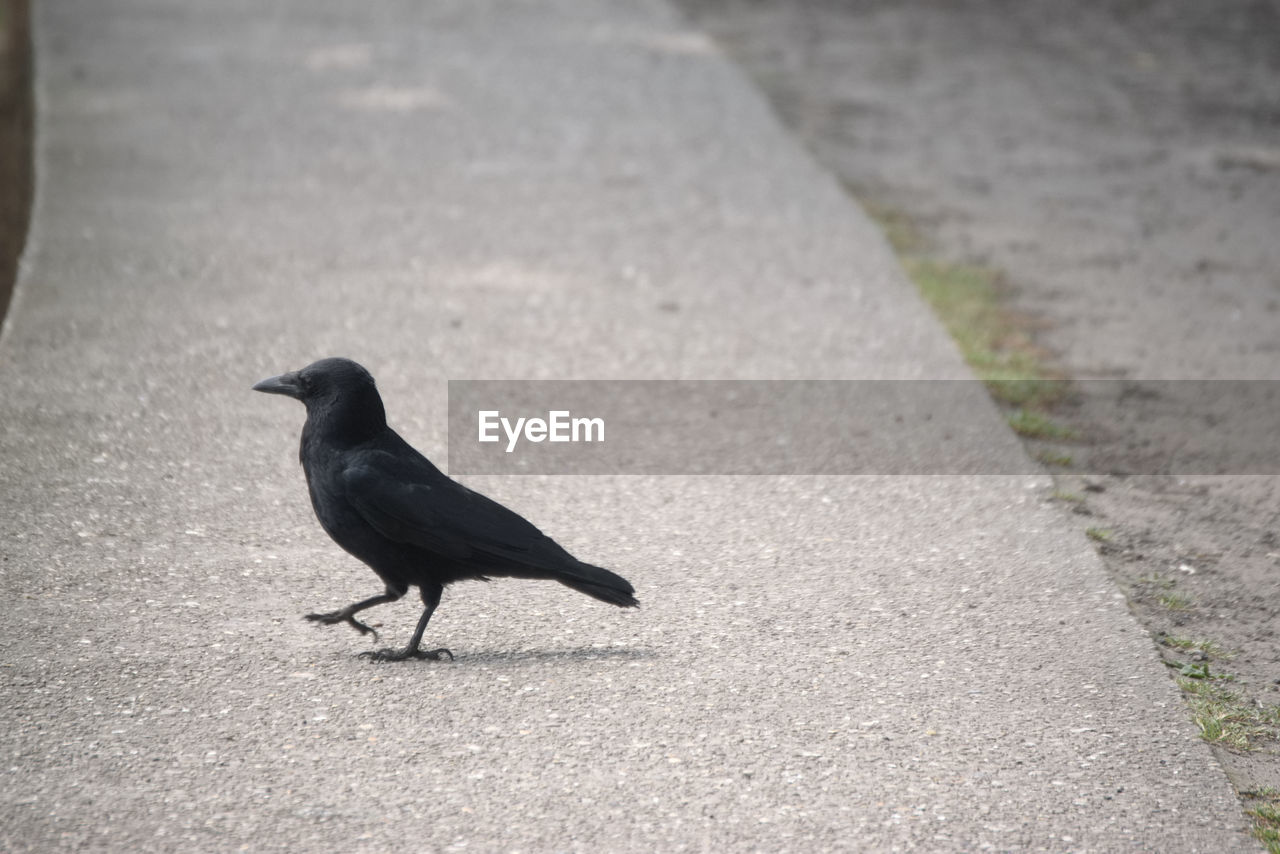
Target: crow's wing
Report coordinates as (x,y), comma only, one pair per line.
(443,516)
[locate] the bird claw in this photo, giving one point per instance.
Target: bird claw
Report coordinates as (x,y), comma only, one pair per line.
(405,654)
(334,617)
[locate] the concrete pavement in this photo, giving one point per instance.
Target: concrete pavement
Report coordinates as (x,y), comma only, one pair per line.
(477,190)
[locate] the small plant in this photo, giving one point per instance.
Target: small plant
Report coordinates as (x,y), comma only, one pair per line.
(1028,392)
(1266,818)
(1098,535)
(1210,648)
(1068,497)
(995,340)
(1176,601)
(1226,719)
(1156,579)
(1195,670)
(1054,458)
(1034,425)
(1198,670)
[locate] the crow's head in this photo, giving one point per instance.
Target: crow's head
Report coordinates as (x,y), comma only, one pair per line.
(335,390)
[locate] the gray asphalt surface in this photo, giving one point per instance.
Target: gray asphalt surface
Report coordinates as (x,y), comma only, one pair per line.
(477,190)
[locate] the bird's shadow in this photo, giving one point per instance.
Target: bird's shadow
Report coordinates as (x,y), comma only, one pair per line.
(585,653)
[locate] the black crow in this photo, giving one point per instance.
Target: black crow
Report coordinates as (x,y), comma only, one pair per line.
(387,505)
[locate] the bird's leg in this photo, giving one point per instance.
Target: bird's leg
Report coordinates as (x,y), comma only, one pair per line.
(430,598)
(348,614)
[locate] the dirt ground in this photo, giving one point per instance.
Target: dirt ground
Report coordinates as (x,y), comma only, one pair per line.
(1118,163)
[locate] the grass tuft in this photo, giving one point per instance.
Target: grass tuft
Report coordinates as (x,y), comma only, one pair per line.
(1266,818)
(1053,458)
(1176,602)
(1224,717)
(970,301)
(1037,425)
(1210,648)
(967,298)
(1156,579)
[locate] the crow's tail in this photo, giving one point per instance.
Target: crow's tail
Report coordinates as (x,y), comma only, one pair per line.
(600,583)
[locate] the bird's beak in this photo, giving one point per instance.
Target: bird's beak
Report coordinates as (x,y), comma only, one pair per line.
(286,384)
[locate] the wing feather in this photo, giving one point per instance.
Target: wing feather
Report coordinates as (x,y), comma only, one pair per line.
(444,517)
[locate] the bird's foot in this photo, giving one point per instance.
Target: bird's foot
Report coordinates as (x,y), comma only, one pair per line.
(334,617)
(405,654)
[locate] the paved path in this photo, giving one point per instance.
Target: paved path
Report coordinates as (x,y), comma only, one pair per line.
(496,190)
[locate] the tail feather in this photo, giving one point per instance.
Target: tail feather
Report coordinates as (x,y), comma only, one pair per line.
(599,583)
